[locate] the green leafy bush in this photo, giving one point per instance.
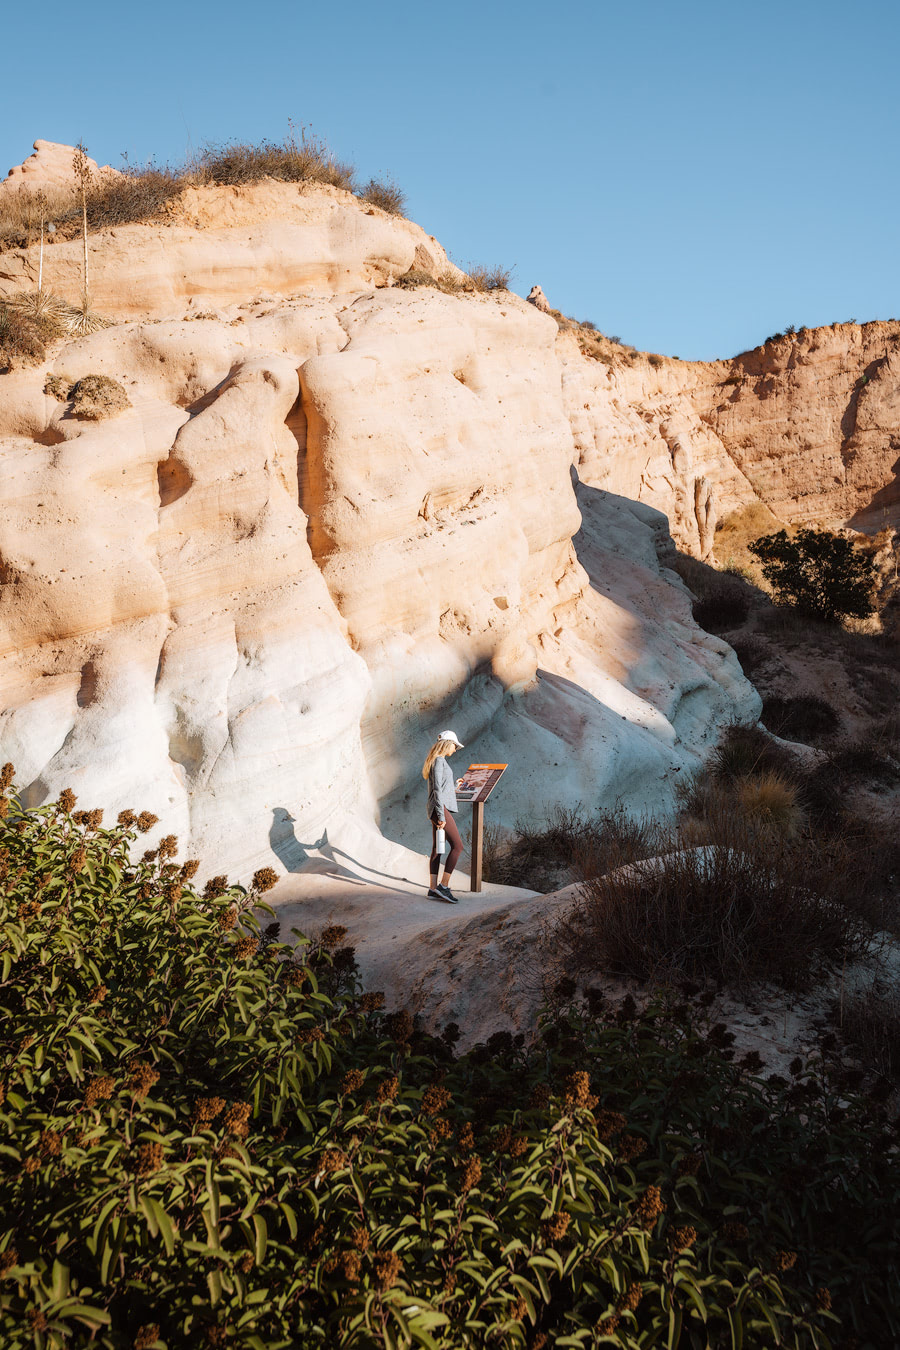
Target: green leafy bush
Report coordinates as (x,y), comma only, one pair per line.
(822,574)
(211,1138)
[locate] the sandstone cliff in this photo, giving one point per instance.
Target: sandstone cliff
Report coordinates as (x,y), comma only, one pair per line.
(339,514)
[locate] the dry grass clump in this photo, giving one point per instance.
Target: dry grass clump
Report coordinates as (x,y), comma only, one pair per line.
(24,337)
(478,280)
(97,397)
(489,278)
(870,1026)
(771,800)
(743,751)
(298,159)
(567,844)
(805,717)
(385,194)
(59,387)
(748,906)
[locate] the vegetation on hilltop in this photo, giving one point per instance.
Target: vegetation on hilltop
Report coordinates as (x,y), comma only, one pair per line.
(145,192)
(213,1138)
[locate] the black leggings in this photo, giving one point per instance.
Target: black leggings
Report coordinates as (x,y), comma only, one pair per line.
(454,840)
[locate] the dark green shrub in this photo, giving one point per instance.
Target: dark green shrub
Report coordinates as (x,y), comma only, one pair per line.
(821,574)
(805,717)
(210,1138)
(745,750)
(725,899)
(720,610)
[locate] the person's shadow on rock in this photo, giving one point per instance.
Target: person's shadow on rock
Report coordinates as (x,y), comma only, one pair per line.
(297,857)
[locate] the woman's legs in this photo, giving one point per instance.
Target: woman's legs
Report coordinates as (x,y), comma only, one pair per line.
(456,847)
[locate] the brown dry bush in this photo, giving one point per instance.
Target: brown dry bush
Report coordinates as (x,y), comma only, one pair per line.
(805,717)
(96,397)
(870,1025)
(385,194)
(489,278)
(568,844)
(747,907)
(296,160)
(24,337)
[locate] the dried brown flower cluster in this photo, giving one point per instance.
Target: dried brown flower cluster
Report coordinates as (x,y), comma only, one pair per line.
(264,879)
(352,1081)
(148,1158)
(168,846)
(371,1002)
(434,1099)
(466,1137)
(608,1123)
(204,1111)
(387,1269)
(295,975)
(540,1097)
(228,918)
(189,869)
(146,1336)
(689,1165)
(37,1320)
(387,1090)
(8,1259)
(471,1174)
(400,1026)
(77,860)
(783,1261)
(235,1120)
(332,1160)
(215,887)
(555,1228)
(734,1232)
(146,820)
(682,1238)
(309,1034)
(99,993)
(333,936)
(126,819)
(631,1146)
(7,774)
(67,800)
(99,1090)
(51,1144)
(244,947)
(246,1263)
(29,909)
(578,1091)
(649,1207)
(361,1239)
(173,891)
(143,1077)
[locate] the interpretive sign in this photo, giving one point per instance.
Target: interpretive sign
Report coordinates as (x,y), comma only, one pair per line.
(476,786)
(479,782)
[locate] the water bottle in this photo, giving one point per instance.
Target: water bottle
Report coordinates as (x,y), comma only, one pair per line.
(440,843)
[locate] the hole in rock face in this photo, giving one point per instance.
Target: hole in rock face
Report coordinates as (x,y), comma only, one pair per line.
(174,480)
(501,602)
(87,690)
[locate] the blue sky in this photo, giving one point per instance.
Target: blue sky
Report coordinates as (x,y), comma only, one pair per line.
(689,177)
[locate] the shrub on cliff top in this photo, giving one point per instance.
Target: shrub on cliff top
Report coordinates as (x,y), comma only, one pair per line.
(212,1138)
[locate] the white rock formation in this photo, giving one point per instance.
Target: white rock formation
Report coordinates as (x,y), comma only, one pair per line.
(338,516)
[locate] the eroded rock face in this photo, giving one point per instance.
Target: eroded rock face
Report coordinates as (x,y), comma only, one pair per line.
(337,516)
(50,167)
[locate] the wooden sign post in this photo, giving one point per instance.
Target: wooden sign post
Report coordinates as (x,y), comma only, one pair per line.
(477,785)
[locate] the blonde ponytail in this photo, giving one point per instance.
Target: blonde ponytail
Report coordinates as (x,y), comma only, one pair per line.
(439,748)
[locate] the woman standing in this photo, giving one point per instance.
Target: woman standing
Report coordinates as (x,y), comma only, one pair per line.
(441,801)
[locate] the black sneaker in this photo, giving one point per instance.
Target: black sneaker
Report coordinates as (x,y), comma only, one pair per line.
(434,894)
(446,894)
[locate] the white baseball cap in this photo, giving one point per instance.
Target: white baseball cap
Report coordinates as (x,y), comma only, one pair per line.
(451,736)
